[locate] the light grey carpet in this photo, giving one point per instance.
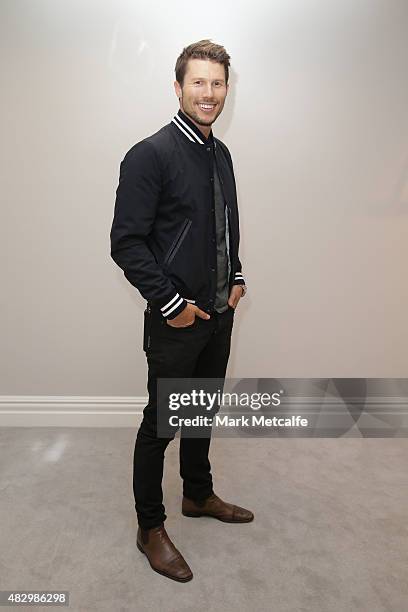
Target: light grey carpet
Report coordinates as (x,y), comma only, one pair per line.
(330,532)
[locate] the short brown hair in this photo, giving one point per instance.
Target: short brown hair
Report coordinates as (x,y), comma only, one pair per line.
(203,49)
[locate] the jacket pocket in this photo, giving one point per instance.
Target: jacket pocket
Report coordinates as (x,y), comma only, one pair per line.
(177,241)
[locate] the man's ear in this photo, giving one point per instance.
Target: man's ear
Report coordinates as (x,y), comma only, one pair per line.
(177,89)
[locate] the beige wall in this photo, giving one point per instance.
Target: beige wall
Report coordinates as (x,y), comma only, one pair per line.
(316,120)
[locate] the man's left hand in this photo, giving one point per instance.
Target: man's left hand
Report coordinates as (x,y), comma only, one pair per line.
(235,295)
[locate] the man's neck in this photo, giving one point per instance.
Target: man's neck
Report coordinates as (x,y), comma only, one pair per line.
(204,129)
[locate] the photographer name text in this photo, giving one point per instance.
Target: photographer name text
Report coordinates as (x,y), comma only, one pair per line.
(254,420)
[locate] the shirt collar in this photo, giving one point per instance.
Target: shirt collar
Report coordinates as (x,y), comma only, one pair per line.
(191,131)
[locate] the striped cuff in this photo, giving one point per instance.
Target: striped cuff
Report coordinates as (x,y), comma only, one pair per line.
(173,307)
(239,279)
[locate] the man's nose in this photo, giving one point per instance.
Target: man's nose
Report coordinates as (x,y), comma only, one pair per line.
(209,90)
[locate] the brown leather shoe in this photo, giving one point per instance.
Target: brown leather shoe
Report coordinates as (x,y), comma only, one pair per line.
(214,506)
(163,556)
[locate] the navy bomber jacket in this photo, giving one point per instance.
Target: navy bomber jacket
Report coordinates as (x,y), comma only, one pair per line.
(163,231)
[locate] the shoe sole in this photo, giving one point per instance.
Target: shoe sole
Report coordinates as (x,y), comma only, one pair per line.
(163,573)
(194,515)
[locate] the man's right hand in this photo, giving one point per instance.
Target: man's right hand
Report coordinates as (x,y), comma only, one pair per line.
(187,316)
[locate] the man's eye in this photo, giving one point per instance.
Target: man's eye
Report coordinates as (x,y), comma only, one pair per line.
(197,81)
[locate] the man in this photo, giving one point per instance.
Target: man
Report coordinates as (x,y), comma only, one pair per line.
(175,234)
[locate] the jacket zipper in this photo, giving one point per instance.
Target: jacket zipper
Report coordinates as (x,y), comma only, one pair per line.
(178,242)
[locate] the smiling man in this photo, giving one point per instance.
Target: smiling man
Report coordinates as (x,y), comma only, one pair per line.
(175,234)
(202,96)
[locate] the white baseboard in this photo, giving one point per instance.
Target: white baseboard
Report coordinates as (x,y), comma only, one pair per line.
(70,411)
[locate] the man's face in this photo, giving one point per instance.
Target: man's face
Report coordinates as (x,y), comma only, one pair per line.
(204,84)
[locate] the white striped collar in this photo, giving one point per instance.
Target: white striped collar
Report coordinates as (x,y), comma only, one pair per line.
(190,130)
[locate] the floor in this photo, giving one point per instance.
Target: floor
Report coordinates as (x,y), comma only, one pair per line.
(330,532)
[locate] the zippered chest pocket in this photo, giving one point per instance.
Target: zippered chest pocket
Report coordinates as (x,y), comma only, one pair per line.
(178,241)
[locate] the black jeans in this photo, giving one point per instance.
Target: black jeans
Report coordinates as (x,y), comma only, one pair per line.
(199,351)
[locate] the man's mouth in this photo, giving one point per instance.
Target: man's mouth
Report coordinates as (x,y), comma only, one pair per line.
(207,108)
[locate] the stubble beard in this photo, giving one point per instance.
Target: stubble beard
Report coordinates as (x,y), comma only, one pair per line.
(197,118)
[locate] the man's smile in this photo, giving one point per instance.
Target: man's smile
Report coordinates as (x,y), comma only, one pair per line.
(206,108)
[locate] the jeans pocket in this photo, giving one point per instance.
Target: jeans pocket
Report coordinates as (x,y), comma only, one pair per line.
(194,324)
